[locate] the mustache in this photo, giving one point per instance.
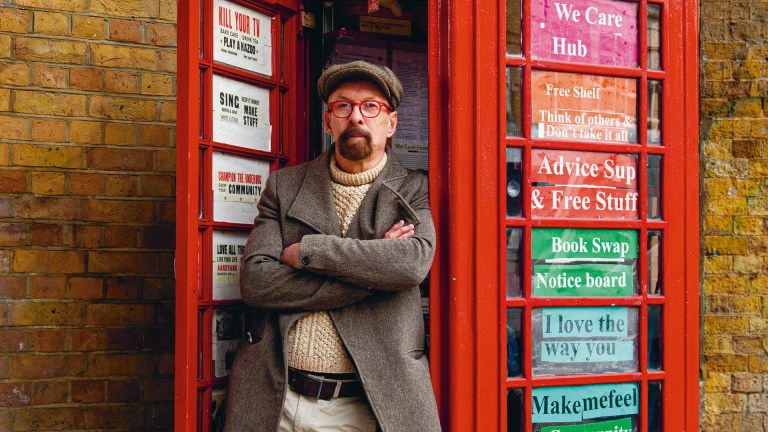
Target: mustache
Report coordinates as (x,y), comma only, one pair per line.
(354,130)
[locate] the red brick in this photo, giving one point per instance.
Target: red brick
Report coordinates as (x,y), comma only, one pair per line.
(84,78)
(85,184)
(5,364)
(48,340)
(158,338)
(121,186)
(50,208)
(84,288)
(123,391)
(87,236)
(47,235)
(160,186)
(116,417)
(165,161)
(88,339)
(88,391)
(54,131)
(50,392)
(119,159)
(159,389)
(15,128)
(158,289)
(48,261)
(117,236)
(166,365)
(119,81)
(120,211)
(49,419)
(167,61)
(85,132)
(46,314)
(126,288)
(13,234)
(5,262)
(49,287)
(124,30)
(160,34)
(12,181)
(107,314)
(123,338)
(48,183)
(7,207)
(50,76)
(13,287)
(13,341)
(122,262)
(48,366)
(15,394)
(113,365)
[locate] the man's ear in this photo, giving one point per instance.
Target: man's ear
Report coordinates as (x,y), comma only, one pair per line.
(327,123)
(392,124)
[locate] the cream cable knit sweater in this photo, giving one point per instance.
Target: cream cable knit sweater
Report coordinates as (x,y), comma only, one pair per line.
(313,342)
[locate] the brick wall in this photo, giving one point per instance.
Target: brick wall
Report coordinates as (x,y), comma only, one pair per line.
(734,168)
(87,162)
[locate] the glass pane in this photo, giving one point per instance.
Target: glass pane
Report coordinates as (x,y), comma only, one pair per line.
(654,36)
(514,27)
(202,29)
(514,182)
(584,340)
(200,343)
(515,411)
(201,118)
(200,411)
(654,338)
(553,408)
(283,50)
(654,187)
(654,263)
(218,408)
(200,182)
(514,101)
(514,342)
(227,332)
(654,407)
(654,112)
(200,277)
(579,107)
(514,262)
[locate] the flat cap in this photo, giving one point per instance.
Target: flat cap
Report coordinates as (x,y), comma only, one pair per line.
(359,70)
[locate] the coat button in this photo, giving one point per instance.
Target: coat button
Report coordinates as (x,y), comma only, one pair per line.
(305,260)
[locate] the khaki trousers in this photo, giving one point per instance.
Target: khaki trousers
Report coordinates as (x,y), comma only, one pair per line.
(303,414)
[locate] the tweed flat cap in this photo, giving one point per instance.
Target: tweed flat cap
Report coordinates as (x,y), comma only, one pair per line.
(381,76)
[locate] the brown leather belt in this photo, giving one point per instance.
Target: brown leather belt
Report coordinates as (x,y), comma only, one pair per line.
(317,388)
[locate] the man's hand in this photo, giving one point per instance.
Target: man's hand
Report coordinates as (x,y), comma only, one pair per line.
(399,231)
(290,255)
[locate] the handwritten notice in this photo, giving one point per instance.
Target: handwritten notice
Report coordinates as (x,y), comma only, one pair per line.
(228,249)
(574,404)
(578,340)
(600,32)
(579,107)
(237,186)
(241,114)
(242,37)
(570,184)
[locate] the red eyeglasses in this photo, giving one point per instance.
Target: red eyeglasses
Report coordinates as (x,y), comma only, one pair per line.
(369,109)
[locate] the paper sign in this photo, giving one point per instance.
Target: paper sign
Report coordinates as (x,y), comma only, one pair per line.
(579,107)
(583,244)
(227,332)
(587,31)
(242,37)
(241,114)
(411,139)
(237,186)
(618,425)
(228,249)
(571,404)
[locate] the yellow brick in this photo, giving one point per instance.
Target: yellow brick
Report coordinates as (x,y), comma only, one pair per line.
(758,364)
(748,108)
(748,264)
(16,128)
(88,27)
(67,5)
(723,402)
(156,135)
(122,108)
(758,168)
(120,134)
(168,112)
(51,23)
(47,313)
(718,187)
(48,261)
(718,225)
(5,154)
(167,61)
(119,81)
(60,104)
(157,84)
(14,20)
(727,325)
(47,156)
(121,186)
(758,325)
(718,344)
(48,183)
(760,127)
(5,99)
(125,8)
(733,284)
(50,50)
(758,206)
(759,285)
(716,381)
(13,73)
(49,130)
(124,57)
(165,161)
(748,70)
(726,206)
(85,132)
(168,10)
(718,264)
(6,43)
(747,188)
(160,34)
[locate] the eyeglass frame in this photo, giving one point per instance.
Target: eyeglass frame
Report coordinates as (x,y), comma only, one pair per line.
(358,104)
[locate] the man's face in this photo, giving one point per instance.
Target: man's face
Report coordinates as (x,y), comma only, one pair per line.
(359,138)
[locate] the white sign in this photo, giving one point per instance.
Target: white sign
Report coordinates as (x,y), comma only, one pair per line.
(228,330)
(410,142)
(237,186)
(242,37)
(241,114)
(228,247)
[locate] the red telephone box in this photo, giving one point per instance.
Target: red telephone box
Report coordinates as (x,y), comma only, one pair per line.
(562,151)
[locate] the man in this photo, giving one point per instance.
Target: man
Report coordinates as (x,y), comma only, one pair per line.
(332,266)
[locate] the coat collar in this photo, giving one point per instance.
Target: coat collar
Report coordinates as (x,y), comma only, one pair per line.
(314,204)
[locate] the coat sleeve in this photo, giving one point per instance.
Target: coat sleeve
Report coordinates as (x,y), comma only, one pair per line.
(267,284)
(382,264)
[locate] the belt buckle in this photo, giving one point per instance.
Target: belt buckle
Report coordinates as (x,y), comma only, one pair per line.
(312,379)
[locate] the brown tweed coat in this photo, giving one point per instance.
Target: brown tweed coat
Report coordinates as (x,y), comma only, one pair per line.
(382,328)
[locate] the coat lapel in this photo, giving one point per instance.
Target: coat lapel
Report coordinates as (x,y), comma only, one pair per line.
(314,204)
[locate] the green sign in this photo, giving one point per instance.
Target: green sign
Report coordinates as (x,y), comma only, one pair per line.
(583,280)
(618,425)
(571,404)
(583,244)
